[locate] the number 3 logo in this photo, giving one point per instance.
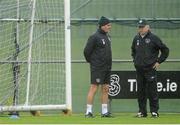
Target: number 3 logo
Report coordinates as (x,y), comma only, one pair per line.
(114,87)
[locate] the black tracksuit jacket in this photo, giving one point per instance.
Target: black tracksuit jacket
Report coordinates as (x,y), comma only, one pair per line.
(145,51)
(98,51)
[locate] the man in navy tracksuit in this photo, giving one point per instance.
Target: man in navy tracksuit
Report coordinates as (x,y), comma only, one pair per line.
(145,52)
(97,52)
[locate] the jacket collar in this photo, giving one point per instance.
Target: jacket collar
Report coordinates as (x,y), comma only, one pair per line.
(149,32)
(101,31)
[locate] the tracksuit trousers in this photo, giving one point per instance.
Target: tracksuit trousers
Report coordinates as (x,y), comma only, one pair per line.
(147,88)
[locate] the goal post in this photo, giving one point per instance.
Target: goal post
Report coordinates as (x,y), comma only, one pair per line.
(68,53)
(35,55)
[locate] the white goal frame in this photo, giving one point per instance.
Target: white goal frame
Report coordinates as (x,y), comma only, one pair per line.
(68,94)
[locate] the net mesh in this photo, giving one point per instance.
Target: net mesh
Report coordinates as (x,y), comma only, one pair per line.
(47,83)
(13,49)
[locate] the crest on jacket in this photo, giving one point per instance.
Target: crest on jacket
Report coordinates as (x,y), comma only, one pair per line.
(147,40)
(103,41)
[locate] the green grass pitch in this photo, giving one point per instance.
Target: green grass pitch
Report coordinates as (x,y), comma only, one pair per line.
(119,118)
(122,36)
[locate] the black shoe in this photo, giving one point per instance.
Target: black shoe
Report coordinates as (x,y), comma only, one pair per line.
(89,115)
(107,115)
(141,115)
(154,115)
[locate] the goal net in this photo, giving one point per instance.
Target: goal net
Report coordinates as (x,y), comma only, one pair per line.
(35,69)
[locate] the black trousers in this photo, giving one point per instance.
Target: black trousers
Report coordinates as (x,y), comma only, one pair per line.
(147,88)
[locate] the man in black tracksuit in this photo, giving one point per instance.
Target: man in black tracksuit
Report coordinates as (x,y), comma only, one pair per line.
(97,52)
(145,53)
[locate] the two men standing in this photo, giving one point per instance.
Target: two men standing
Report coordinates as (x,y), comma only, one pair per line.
(145,52)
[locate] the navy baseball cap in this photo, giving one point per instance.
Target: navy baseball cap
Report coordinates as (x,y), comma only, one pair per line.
(142,23)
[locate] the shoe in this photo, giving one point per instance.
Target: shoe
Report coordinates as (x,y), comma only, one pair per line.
(107,115)
(141,115)
(154,115)
(89,115)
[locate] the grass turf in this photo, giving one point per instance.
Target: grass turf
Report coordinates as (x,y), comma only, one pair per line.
(120,118)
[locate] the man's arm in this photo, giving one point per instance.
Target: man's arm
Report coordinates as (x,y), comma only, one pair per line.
(164,50)
(133,52)
(89,48)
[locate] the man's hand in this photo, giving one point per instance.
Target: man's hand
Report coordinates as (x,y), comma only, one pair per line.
(156,65)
